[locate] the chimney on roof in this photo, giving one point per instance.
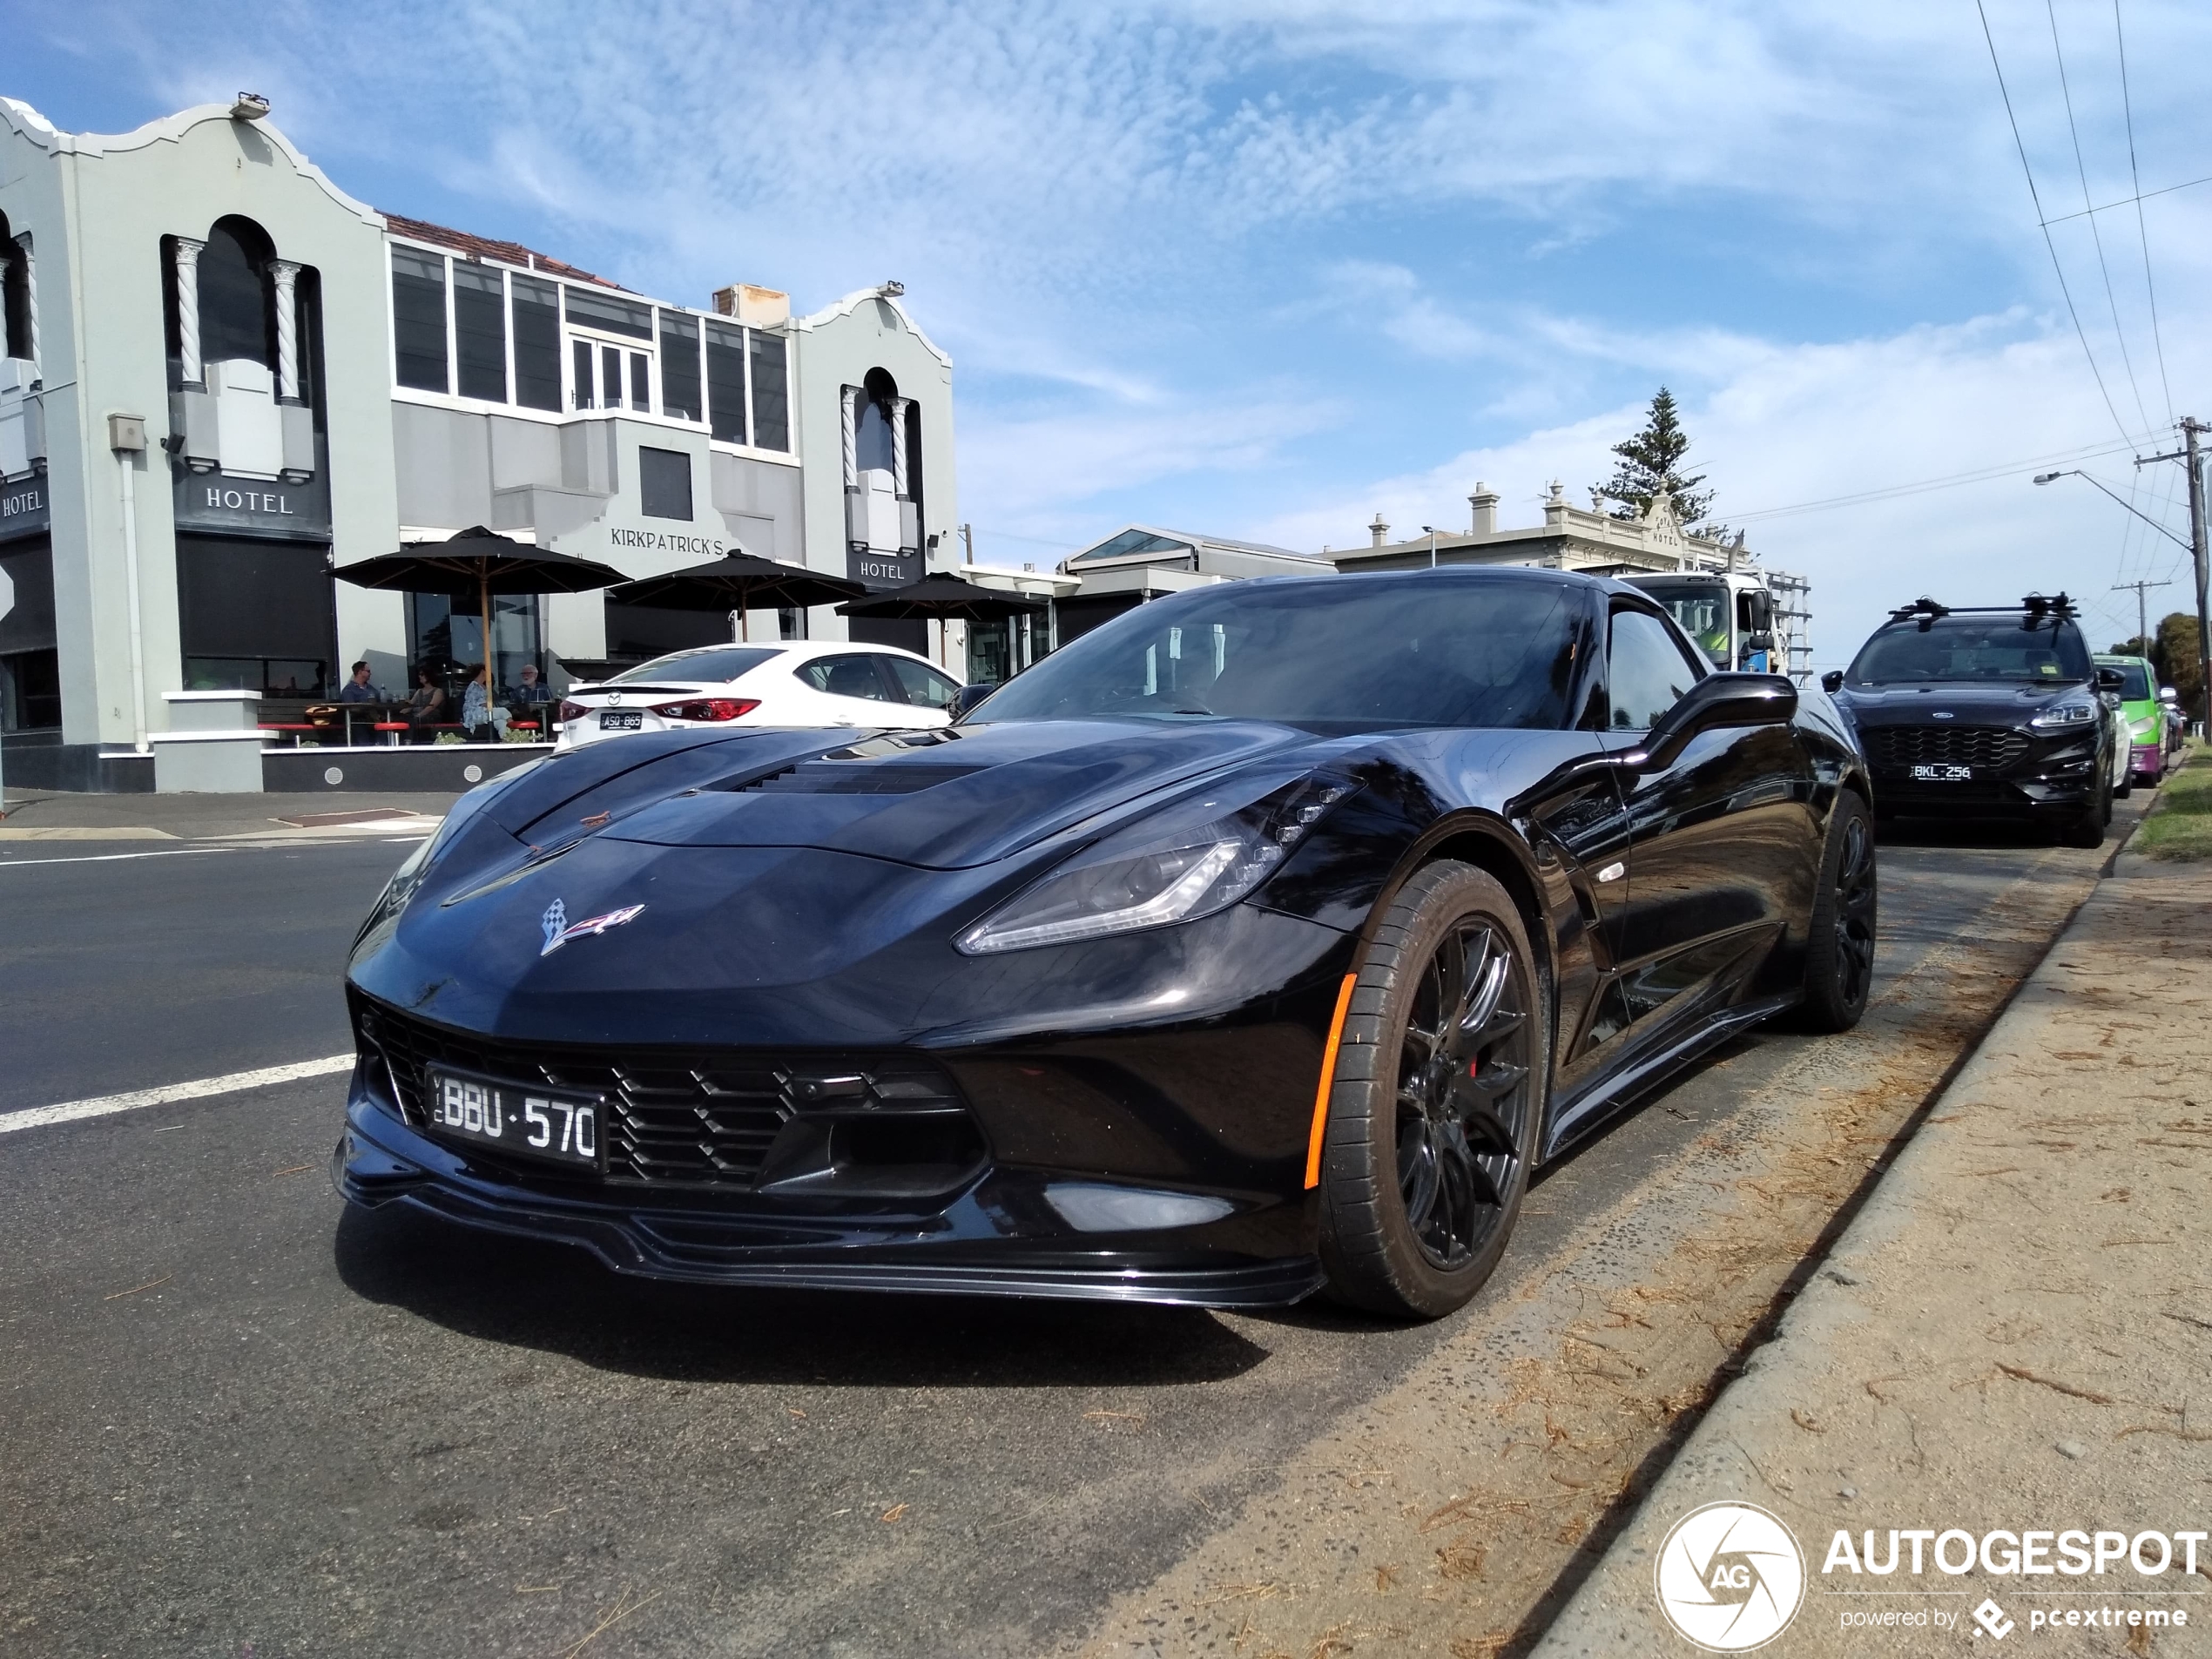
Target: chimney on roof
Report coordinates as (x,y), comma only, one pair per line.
(762,308)
(1485,503)
(1378,530)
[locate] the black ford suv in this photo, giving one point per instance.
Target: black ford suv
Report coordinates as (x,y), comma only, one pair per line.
(1985,712)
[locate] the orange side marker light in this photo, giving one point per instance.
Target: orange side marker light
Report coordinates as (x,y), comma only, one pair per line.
(1328,1077)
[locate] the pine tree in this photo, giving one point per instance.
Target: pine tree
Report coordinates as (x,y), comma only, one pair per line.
(1647,463)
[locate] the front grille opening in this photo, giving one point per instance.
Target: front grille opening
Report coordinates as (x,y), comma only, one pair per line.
(730,1121)
(899,1156)
(1980,746)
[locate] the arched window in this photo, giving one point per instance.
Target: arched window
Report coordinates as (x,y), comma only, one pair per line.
(873,440)
(15,294)
(236,313)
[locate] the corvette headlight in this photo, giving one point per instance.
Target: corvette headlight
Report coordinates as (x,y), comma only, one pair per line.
(1191,862)
(2064,714)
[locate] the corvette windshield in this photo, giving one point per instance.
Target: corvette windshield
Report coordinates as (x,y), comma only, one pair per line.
(2011,650)
(1346,654)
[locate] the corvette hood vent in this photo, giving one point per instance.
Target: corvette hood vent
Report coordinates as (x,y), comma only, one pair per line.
(858,778)
(950,803)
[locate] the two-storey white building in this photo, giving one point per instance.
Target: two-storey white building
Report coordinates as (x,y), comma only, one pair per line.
(222,376)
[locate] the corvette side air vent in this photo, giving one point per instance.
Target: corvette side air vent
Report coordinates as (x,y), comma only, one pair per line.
(859,778)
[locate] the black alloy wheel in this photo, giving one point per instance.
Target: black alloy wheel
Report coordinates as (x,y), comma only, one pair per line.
(1440,1076)
(1840,938)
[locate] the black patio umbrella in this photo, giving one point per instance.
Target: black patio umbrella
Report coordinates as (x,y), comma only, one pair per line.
(738,581)
(477,564)
(945,598)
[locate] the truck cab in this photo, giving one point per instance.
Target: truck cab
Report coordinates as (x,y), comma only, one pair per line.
(1730,615)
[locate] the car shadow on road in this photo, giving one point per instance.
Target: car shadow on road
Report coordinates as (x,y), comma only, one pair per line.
(557,1299)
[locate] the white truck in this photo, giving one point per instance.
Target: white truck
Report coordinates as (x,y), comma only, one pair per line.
(1750,619)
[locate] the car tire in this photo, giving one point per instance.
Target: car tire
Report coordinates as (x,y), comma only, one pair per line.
(2088,830)
(1840,937)
(1442,1072)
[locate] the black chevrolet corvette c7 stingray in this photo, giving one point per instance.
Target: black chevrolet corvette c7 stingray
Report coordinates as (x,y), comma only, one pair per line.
(1258,941)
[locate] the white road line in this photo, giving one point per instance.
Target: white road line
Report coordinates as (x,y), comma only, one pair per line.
(111,858)
(70,1111)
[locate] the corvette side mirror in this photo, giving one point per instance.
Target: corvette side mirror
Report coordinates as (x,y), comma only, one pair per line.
(1717,702)
(965,698)
(1832,681)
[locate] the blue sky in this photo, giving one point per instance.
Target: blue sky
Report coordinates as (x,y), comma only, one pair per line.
(1267,270)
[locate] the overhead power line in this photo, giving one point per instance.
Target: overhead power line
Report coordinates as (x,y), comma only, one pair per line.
(2096,236)
(2138,199)
(2142,231)
(2035,197)
(1950,480)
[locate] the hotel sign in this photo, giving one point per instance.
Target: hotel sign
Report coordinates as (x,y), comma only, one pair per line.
(23,508)
(256,507)
(875,570)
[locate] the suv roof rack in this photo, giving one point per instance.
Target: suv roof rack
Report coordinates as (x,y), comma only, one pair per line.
(1922,606)
(2035,606)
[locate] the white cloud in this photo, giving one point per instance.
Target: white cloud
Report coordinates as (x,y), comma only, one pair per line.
(1791,425)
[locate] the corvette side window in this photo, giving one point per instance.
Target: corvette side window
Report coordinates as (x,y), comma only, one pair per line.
(1649,672)
(853,675)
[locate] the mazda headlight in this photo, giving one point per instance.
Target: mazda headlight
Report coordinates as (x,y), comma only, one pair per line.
(2059,715)
(1200,856)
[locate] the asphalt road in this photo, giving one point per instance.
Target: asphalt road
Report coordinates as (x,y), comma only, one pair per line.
(236,1414)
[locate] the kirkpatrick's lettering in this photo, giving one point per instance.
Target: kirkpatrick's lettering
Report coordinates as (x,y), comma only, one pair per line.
(658,542)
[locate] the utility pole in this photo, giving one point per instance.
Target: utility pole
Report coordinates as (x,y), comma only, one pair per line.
(2143,616)
(968,539)
(2191,430)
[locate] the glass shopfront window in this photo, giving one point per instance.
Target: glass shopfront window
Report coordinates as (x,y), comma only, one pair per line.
(256,617)
(31,681)
(447,637)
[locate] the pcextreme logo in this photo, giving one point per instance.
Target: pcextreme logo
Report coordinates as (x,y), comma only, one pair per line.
(1730,1577)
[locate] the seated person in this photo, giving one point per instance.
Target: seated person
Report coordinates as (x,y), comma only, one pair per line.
(358,689)
(531,697)
(481,721)
(426,707)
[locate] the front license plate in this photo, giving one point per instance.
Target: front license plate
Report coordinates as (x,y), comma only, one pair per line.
(622,720)
(528,1123)
(1943,775)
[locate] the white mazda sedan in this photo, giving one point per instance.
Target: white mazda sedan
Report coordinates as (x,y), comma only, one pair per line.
(795,682)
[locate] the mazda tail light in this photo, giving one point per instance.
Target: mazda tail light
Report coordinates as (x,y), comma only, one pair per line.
(707,708)
(573,711)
